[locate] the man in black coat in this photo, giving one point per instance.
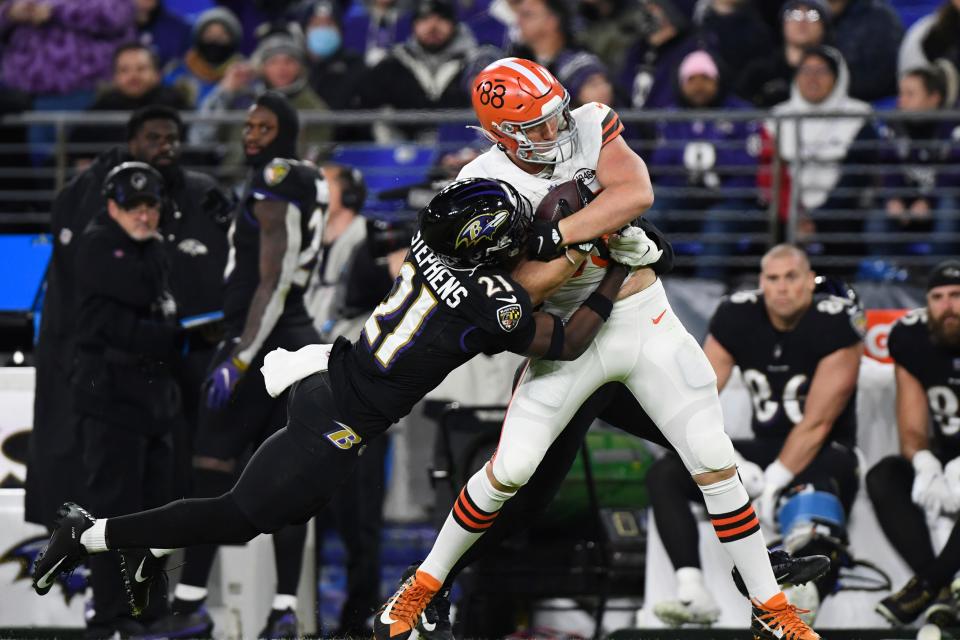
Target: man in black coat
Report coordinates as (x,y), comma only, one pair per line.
(123,387)
(194,217)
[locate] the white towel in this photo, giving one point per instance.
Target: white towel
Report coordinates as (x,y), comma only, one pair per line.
(281,368)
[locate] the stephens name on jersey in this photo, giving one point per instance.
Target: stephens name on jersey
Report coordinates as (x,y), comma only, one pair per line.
(938,370)
(435,318)
(597,125)
(301,186)
(777,366)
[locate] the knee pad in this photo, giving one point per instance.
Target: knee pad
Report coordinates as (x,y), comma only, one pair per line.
(515,466)
(807,515)
(710,446)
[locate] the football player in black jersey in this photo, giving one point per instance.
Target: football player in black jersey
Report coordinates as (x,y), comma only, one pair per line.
(799,355)
(455,297)
(914,488)
(274,241)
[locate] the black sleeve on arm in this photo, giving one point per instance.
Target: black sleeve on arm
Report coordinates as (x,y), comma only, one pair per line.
(664,265)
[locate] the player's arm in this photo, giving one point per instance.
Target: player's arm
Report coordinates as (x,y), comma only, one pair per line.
(278,263)
(542,279)
(913,414)
(833,384)
(720,359)
(627,193)
(552,340)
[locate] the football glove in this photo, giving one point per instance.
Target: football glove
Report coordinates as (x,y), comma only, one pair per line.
(544,241)
(632,247)
(929,491)
(222,381)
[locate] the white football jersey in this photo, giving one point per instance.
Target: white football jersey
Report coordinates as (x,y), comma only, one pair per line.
(597,124)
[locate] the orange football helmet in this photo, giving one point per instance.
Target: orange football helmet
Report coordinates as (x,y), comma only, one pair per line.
(525,110)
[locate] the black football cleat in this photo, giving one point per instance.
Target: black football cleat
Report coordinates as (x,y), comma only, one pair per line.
(789,570)
(910,602)
(143,575)
(64,551)
(281,625)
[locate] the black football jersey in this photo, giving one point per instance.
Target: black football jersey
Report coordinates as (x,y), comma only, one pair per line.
(938,370)
(777,366)
(435,319)
(301,185)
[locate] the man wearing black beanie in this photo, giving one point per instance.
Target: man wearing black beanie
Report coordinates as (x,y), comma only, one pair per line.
(275,238)
(914,488)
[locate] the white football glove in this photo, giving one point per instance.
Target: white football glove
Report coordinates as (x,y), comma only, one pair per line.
(776,476)
(751,475)
(929,491)
(951,474)
(632,247)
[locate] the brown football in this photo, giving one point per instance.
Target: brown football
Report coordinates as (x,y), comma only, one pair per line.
(550,209)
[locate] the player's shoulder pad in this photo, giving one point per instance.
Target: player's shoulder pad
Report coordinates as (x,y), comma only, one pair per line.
(837,309)
(500,303)
(285,179)
(601,118)
(743,299)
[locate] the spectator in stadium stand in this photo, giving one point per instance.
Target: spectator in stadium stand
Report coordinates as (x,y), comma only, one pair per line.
(372,27)
(587,79)
(825,146)
(166,33)
(335,72)
(651,64)
(609,29)
(546,32)
(766,81)
(911,490)
(216,41)
(736,33)
(921,175)
(136,83)
(422,73)
(279,63)
(934,36)
(868,34)
(59,51)
(123,384)
(704,162)
(496,25)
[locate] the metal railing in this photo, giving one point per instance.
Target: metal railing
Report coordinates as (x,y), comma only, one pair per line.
(720,213)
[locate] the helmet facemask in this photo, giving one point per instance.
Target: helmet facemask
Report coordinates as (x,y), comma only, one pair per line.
(556,117)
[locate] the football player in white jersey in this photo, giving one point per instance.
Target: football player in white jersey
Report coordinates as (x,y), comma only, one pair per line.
(539,143)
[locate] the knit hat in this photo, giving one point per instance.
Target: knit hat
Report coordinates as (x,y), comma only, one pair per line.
(819,5)
(443,8)
(328,8)
(277,43)
(698,63)
(574,71)
(224,17)
(831,56)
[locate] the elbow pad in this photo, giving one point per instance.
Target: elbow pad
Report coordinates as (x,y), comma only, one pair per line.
(555,350)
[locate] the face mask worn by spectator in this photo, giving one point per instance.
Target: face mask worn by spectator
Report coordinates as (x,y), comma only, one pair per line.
(323,41)
(216,53)
(284,145)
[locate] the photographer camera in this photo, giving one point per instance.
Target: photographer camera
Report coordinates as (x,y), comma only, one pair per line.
(123,384)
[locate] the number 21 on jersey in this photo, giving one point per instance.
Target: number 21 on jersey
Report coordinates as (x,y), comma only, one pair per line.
(386,346)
